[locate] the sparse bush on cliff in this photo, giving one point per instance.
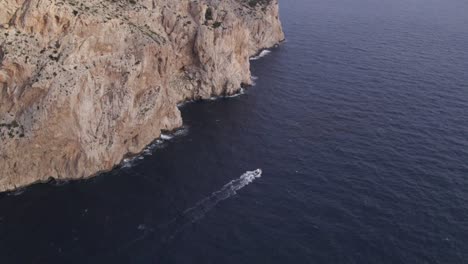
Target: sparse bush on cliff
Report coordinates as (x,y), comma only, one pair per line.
(109,70)
(216,24)
(209,14)
(254,3)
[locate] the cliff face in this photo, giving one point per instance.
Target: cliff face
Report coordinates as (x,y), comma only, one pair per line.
(85,82)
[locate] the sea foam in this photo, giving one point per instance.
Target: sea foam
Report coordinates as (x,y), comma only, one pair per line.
(157,144)
(166,137)
(261,55)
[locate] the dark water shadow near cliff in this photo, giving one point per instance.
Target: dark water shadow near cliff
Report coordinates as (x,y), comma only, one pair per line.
(359,124)
(91,220)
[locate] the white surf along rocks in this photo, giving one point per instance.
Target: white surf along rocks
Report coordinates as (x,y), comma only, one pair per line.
(85,82)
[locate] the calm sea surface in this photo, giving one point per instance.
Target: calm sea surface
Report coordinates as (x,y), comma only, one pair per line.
(359,122)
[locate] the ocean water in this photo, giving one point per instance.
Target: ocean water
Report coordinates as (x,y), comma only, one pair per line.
(352,147)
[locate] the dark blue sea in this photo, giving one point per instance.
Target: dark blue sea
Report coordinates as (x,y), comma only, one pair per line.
(359,123)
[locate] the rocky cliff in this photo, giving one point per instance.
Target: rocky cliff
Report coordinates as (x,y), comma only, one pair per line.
(85,82)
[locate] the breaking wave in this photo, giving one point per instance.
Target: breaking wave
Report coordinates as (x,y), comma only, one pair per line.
(166,137)
(261,55)
(254,79)
(241,92)
(159,143)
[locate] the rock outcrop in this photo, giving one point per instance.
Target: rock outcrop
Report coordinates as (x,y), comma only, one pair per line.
(83,83)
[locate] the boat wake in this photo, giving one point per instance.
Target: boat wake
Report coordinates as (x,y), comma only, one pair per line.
(170,230)
(201,208)
(230,189)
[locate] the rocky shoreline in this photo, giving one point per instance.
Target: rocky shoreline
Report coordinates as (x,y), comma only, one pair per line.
(83,84)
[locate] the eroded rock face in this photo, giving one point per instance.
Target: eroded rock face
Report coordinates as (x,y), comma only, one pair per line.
(85,82)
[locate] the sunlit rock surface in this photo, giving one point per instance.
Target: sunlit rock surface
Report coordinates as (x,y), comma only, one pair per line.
(85,82)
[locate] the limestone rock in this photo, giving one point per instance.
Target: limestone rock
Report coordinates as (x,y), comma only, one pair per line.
(85,82)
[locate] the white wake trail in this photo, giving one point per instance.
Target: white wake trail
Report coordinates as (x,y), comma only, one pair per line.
(168,231)
(201,208)
(230,189)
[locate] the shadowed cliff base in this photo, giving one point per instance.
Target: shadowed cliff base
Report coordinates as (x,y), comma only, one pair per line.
(84,83)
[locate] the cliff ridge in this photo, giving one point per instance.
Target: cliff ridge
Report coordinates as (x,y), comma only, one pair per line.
(85,82)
